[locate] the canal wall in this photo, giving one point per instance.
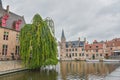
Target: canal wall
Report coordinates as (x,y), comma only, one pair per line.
(10,66)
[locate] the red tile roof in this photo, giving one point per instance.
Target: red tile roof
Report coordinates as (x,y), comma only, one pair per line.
(113,43)
(94,46)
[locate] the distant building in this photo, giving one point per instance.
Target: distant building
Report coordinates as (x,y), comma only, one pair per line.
(10,25)
(71,50)
(81,50)
(113,48)
(95,50)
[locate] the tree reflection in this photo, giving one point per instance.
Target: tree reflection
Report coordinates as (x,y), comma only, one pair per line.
(32,75)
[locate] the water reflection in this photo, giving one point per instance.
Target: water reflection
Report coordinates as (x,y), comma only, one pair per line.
(86,70)
(32,75)
(67,70)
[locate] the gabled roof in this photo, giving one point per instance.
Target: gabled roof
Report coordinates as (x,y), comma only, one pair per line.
(113,43)
(94,46)
(12,18)
(75,43)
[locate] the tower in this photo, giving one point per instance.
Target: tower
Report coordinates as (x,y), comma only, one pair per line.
(62,46)
(1,4)
(63,39)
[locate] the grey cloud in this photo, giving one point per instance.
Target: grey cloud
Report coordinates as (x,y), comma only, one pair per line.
(94,19)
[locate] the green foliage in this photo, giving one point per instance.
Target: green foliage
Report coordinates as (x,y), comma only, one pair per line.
(38,47)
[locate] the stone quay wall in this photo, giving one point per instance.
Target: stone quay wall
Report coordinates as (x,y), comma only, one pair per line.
(10,65)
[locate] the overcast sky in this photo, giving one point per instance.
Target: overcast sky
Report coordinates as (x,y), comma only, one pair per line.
(93,19)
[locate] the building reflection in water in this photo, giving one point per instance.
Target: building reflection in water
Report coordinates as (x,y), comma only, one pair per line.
(67,70)
(86,70)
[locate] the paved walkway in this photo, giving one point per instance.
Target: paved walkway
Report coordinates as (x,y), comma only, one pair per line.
(115,75)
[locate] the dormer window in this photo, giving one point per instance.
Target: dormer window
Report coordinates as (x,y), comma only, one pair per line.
(4,20)
(16,24)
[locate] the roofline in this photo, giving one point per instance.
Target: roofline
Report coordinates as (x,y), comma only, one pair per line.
(9,29)
(14,14)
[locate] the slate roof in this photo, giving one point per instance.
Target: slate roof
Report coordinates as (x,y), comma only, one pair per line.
(0,4)
(75,44)
(12,17)
(63,36)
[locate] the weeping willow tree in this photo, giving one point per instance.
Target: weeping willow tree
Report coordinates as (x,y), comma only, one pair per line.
(38,46)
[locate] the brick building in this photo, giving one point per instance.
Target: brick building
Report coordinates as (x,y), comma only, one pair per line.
(96,50)
(10,25)
(81,50)
(113,48)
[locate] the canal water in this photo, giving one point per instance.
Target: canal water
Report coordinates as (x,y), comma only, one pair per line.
(68,70)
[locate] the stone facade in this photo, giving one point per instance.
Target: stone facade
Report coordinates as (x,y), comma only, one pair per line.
(10,25)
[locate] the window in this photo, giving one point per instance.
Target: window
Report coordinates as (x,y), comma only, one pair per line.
(4,49)
(110,48)
(72,54)
(76,49)
(16,24)
(69,49)
(87,55)
(80,54)
(5,36)
(75,54)
(97,50)
(17,50)
(17,37)
(96,54)
(72,49)
(67,54)
(4,20)
(82,49)
(66,50)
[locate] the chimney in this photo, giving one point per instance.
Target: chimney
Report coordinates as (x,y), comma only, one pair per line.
(7,9)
